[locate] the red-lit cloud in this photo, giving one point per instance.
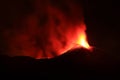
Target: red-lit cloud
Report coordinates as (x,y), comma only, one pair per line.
(47,28)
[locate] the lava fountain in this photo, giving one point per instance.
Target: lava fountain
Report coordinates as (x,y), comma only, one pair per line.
(82,40)
(50,29)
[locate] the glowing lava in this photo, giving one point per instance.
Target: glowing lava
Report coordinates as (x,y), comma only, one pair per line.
(82,41)
(82,38)
(76,39)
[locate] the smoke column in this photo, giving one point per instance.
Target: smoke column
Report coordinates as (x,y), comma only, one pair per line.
(42,28)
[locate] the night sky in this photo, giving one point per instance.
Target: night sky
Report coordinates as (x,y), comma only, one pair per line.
(101,18)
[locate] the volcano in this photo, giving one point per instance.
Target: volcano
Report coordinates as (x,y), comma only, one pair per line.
(44,29)
(49,38)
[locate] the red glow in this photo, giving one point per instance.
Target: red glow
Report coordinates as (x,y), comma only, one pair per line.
(46,32)
(77,39)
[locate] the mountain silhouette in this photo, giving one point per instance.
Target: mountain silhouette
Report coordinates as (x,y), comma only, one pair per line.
(77,62)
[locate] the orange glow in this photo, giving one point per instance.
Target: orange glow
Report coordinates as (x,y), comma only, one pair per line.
(76,39)
(47,32)
(82,41)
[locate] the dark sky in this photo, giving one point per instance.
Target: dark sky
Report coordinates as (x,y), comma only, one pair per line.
(101,17)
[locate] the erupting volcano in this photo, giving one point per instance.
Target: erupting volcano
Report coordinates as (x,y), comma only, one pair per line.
(48,29)
(82,40)
(78,39)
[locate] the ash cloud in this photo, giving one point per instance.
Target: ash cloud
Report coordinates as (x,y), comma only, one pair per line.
(39,28)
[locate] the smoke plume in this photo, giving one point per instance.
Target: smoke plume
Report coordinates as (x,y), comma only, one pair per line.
(40,28)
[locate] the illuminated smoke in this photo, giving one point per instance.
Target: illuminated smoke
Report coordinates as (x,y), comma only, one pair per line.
(50,29)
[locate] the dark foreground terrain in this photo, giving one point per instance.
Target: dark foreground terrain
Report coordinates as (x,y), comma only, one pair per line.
(77,63)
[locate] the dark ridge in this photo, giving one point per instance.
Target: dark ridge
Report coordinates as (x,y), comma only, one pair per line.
(74,63)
